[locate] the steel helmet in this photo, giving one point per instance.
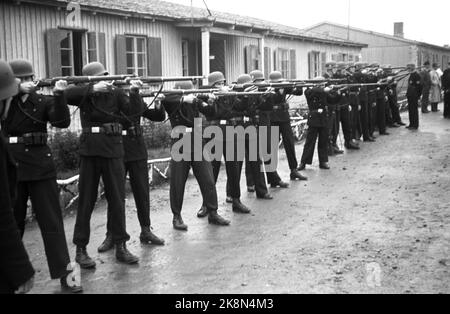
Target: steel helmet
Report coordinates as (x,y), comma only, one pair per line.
(244,79)
(330,65)
(9,84)
(184,85)
(275,77)
(22,68)
(215,77)
(94,69)
(257,75)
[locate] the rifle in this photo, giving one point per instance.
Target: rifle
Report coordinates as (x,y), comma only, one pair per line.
(279,85)
(82,79)
(318,81)
(158,80)
(215,92)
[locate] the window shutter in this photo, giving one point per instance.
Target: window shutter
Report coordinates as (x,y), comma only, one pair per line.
(121,55)
(276,56)
(248,59)
(323,62)
(311,64)
(53,42)
(154,56)
(267,61)
(192,58)
(293,63)
(101,47)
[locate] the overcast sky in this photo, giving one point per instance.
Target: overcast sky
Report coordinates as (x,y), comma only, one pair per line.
(427,20)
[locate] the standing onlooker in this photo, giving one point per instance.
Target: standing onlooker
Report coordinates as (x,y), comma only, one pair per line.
(426,84)
(413,94)
(435,92)
(446,88)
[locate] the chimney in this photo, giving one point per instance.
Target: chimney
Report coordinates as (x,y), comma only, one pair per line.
(398,30)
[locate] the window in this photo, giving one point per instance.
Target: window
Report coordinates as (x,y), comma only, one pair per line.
(136,53)
(252,57)
(92,49)
(185,56)
(282,62)
(67,68)
(314,64)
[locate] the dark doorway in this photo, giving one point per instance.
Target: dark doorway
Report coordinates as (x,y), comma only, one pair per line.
(217,52)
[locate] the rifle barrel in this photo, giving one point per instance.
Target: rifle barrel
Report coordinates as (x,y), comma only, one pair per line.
(81,79)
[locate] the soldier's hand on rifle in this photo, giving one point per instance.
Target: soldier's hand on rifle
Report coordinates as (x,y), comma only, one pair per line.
(102,87)
(328,89)
(251,89)
(189,99)
(61,85)
(27,87)
(136,84)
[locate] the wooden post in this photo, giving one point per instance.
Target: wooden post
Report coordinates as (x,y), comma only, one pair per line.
(206,37)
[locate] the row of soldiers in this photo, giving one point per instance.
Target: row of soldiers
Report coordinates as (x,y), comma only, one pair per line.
(112,145)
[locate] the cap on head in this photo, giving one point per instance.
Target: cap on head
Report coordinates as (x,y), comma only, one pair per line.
(184,85)
(257,76)
(244,79)
(94,69)
(22,68)
(216,77)
(330,65)
(9,84)
(275,77)
(427,63)
(341,65)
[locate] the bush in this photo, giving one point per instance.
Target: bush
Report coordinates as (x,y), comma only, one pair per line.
(157,135)
(65,146)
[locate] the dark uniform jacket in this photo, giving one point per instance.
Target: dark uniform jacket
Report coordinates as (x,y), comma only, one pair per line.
(15,266)
(426,80)
(414,85)
(96,110)
(133,142)
(279,99)
(446,80)
(35,163)
(183,114)
(318,103)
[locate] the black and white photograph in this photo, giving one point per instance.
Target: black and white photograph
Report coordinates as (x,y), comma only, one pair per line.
(223,155)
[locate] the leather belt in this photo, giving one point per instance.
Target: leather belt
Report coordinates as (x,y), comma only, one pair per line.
(113,129)
(29,139)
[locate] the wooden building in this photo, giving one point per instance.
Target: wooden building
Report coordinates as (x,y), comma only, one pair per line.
(153,38)
(383,48)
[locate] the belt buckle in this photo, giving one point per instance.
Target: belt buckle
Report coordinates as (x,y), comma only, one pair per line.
(124,133)
(13,140)
(246,119)
(223,122)
(188,130)
(95,130)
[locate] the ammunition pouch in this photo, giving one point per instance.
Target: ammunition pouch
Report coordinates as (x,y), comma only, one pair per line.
(134,131)
(110,129)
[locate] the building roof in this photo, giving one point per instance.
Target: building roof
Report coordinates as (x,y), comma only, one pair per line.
(310,31)
(157,9)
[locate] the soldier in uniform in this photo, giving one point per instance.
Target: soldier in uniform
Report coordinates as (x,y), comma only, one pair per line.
(343,116)
(182,111)
(394,119)
(16,271)
(426,86)
(251,107)
(331,72)
(25,128)
(380,100)
(226,113)
(136,157)
(102,111)
(363,97)
(280,118)
(318,102)
(446,88)
(413,94)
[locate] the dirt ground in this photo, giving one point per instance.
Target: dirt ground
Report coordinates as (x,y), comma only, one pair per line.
(378,222)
